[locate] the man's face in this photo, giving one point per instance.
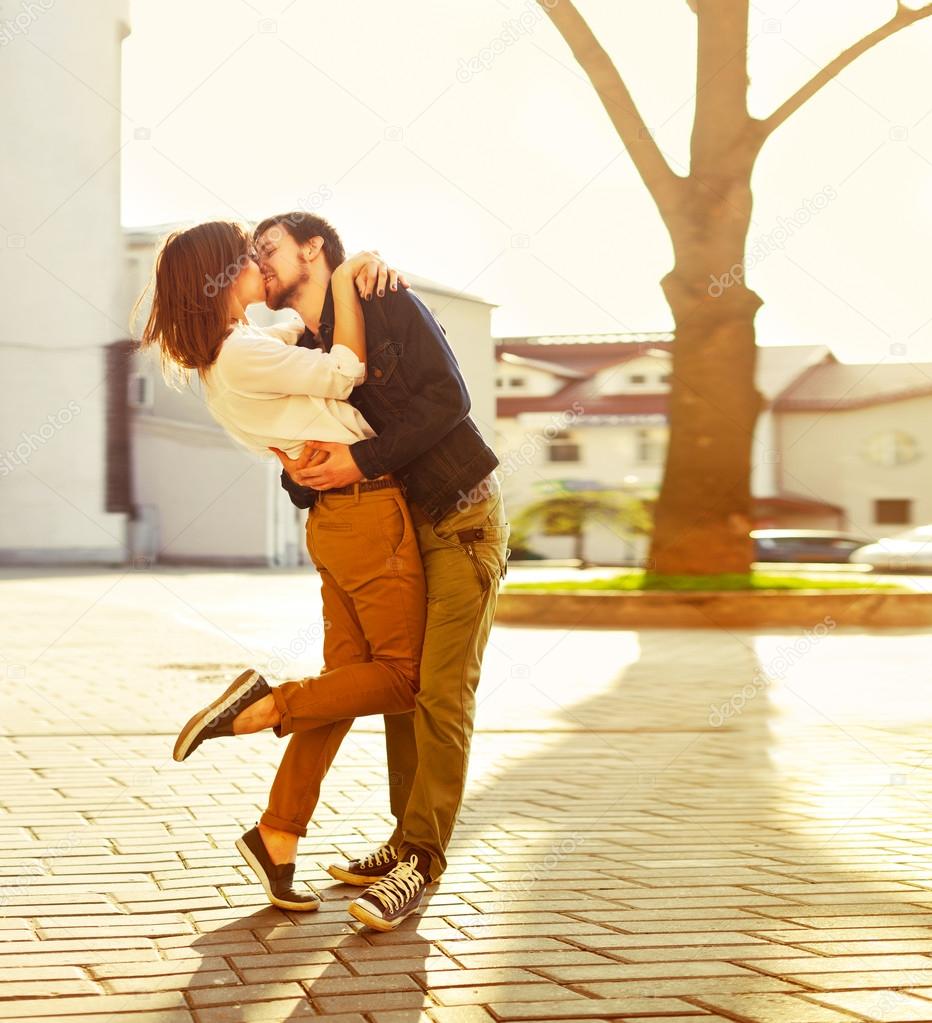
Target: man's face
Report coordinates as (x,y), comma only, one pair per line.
(284,265)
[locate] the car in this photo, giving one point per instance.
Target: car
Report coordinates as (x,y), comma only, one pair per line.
(821,546)
(904,552)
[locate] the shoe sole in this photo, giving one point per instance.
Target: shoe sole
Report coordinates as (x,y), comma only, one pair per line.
(189,733)
(376,922)
(299,907)
(360,880)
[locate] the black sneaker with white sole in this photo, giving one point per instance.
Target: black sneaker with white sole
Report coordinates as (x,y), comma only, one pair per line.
(216,719)
(368,869)
(277,878)
(383,905)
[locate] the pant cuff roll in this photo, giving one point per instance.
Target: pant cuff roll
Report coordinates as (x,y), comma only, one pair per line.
(281,824)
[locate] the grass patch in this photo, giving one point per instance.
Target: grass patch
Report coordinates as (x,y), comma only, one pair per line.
(637,579)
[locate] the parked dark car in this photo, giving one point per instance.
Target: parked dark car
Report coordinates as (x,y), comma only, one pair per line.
(804,545)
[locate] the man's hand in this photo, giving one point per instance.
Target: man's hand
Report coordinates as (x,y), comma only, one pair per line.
(309,457)
(322,466)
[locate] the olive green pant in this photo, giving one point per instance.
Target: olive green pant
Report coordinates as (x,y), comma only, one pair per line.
(464,557)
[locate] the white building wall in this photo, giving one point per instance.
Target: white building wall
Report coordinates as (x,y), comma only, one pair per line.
(514,380)
(827,455)
(644,375)
(608,458)
(467,323)
(60,279)
(765,457)
(203,499)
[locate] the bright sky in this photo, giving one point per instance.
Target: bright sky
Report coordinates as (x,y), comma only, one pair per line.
(461,139)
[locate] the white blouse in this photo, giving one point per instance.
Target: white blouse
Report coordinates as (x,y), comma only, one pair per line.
(265,391)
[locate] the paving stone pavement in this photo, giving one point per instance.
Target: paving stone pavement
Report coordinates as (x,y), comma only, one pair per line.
(662,825)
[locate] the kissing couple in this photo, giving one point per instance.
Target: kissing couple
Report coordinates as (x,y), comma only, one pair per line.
(359,395)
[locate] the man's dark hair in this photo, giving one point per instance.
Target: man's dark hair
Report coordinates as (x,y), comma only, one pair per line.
(303,226)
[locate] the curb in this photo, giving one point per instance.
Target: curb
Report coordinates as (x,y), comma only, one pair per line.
(722,609)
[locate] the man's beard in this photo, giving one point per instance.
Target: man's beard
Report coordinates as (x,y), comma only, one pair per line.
(283,298)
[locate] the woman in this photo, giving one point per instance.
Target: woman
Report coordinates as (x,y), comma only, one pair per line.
(267,392)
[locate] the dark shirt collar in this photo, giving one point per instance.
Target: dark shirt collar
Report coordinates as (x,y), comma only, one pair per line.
(326,315)
(324,335)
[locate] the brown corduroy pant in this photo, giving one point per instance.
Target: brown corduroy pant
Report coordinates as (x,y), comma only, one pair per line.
(364,546)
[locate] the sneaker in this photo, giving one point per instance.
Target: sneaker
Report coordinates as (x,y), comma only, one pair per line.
(396,896)
(216,719)
(367,870)
(277,878)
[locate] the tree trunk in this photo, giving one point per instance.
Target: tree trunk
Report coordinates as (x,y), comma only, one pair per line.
(703,514)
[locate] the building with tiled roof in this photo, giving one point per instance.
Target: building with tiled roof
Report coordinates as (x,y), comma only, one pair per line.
(589,412)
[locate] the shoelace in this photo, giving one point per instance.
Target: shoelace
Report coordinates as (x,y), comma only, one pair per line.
(384,854)
(397,887)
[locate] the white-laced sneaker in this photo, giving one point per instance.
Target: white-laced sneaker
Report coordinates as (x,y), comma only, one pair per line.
(368,869)
(396,896)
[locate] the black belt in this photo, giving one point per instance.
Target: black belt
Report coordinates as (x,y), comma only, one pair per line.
(363,487)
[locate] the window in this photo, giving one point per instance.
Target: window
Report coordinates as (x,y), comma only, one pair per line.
(892,448)
(563,448)
(665,378)
(890,511)
(637,378)
(139,392)
(517,382)
(650,446)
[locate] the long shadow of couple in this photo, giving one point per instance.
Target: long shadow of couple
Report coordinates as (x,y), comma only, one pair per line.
(638,770)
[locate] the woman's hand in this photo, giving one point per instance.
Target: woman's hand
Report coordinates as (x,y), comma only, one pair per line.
(370,273)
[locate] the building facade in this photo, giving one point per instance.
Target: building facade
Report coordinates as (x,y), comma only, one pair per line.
(835,447)
(61,253)
(860,436)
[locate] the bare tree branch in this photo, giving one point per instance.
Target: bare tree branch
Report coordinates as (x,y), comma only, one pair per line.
(662,182)
(904,17)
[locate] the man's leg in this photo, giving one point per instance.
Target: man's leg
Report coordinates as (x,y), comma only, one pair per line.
(464,561)
(401,756)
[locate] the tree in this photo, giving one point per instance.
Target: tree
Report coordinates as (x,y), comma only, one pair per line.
(703,513)
(569,512)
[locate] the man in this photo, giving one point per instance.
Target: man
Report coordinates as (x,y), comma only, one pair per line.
(415,399)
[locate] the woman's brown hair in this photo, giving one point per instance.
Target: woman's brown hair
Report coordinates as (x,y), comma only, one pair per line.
(190,315)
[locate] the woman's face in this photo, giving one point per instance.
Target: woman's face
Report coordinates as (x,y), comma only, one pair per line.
(249,286)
